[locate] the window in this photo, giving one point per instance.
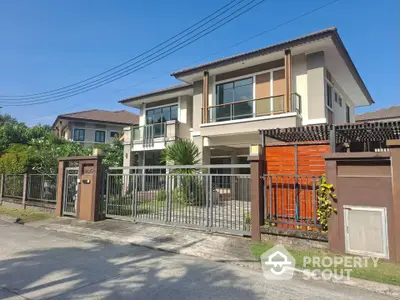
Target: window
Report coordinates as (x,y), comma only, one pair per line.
(114,134)
(336,97)
(162,114)
(329,95)
(230,92)
(340,101)
(79,135)
(158,117)
(347,114)
(100,136)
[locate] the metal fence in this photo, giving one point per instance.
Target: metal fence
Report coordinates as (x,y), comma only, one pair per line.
(213,197)
(32,189)
(13,186)
(291,200)
(42,188)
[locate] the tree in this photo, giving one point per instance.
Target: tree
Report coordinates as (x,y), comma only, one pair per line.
(46,151)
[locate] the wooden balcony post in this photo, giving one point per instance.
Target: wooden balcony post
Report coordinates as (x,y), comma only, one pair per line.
(205,97)
(288,81)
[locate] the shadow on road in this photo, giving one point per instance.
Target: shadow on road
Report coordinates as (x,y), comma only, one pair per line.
(97,269)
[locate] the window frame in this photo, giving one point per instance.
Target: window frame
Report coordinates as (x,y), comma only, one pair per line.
(74,135)
(95,136)
(161,113)
(328,83)
(233,80)
(347,113)
(113,134)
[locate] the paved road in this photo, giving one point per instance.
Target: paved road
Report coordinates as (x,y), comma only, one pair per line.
(39,264)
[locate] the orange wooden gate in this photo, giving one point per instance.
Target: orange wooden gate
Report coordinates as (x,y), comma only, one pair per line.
(291,181)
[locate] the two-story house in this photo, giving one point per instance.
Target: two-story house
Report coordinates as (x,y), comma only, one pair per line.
(93,126)
(221,105)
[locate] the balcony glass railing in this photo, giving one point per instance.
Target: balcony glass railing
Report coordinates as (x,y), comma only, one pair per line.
(148,132)
(253,108)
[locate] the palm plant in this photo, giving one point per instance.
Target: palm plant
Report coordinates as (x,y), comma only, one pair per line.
(190,187)
(181,153)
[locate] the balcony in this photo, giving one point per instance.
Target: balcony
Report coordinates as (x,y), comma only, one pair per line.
(254,108)
(153,136)
(248,116)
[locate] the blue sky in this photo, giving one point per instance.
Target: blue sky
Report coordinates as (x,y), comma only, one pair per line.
(50,44)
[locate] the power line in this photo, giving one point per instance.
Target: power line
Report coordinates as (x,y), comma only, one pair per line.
(152,60)
(168,43)
(232,45)
(238,43)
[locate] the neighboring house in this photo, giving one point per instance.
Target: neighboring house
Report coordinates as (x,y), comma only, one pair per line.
(93,126)
(222,104)
(381,115)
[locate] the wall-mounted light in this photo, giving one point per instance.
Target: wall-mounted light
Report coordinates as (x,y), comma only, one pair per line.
(97,152)
(255,150)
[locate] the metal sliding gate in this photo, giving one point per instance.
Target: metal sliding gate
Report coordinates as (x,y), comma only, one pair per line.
(70,193)
(213,197)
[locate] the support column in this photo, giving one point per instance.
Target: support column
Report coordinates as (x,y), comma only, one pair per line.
(128,161)
(288,81)
(234,179)
(256,160)
(205,96)
(394,146)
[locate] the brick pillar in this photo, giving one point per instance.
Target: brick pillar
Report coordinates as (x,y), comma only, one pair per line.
(257,202)
(394,146)
(335,233)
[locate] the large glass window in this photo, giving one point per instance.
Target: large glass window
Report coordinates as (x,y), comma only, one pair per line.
(159,116)
(100,136)
(231,92)
(79,135)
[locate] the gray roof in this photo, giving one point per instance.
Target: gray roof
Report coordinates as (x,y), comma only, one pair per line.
(171,89)
(384,113)
(121,117)
(259,52)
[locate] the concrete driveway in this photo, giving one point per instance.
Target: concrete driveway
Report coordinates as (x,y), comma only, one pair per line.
(40,264)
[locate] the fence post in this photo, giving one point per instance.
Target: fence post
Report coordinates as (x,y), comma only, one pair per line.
(24,190)
(1,188)
(256,184)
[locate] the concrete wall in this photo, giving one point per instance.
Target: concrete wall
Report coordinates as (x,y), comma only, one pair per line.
(230,128)
(197,104)
(315,87)
(340,111)
(299,81)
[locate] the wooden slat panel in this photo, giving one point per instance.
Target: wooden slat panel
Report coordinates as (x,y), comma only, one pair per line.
(281,160)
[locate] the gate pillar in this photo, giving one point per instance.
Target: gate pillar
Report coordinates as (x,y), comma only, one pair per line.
(257,162)
(88,205)
(60,187)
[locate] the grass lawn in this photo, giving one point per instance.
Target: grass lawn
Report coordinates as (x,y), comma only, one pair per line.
(25,215)
(385,272)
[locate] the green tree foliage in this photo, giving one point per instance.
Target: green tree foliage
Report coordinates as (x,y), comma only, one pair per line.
(37,149)
(113,152)
(16,159)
